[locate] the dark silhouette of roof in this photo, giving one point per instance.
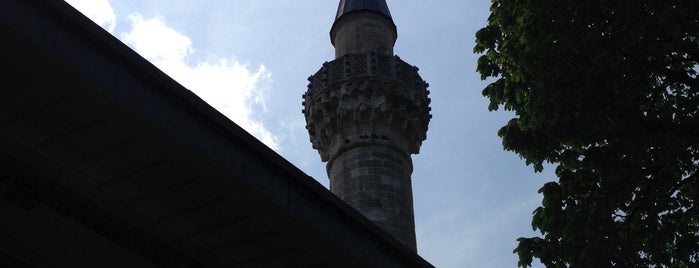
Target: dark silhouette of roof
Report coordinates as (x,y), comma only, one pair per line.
(105,161)
(347,6)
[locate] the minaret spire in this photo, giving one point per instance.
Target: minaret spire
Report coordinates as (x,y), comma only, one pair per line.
(363,26)
(366,112)
(347,6)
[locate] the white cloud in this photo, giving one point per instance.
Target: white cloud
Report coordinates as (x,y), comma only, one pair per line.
(157,42)
(233,88)
(99,11)
(229,86)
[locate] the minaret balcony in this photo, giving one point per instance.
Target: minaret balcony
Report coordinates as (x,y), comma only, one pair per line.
(366,99)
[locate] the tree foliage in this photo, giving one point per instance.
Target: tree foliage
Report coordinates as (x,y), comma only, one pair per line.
(607,91)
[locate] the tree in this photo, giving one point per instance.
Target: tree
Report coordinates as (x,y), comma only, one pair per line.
(606,91)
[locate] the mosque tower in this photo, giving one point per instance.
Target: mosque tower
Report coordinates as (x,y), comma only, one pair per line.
(366,112)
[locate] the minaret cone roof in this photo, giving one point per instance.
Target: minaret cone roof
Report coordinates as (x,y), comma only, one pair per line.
(347,6)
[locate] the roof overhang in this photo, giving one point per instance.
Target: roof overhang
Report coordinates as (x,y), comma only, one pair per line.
(91,117)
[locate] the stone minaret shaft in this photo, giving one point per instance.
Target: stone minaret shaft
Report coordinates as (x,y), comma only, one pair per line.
(366,112)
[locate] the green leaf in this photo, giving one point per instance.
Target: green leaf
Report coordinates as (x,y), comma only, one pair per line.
(607,92)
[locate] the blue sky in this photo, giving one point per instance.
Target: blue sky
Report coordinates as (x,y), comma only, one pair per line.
(250,60)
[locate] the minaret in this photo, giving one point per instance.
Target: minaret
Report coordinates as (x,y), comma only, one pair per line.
(366,112)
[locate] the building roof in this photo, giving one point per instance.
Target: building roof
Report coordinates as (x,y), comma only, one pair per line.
(97,134)
(347,6)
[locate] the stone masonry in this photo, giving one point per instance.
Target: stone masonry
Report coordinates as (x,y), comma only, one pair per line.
(376,181)
(366,112)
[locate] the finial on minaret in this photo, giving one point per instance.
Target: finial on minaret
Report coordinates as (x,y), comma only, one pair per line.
(366,112)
